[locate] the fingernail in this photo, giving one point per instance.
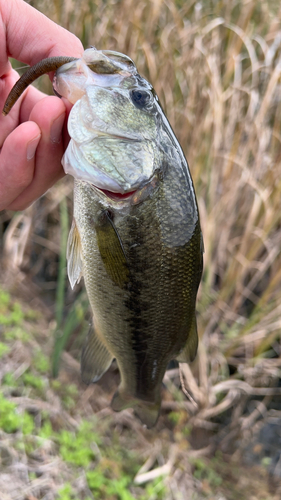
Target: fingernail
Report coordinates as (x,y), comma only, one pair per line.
(31,147)
(56,129)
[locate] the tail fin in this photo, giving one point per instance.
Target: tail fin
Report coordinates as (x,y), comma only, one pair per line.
(147,411)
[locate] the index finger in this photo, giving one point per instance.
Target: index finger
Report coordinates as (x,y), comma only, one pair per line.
(30,36)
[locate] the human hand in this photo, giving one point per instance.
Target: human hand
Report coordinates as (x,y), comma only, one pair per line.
(33,136)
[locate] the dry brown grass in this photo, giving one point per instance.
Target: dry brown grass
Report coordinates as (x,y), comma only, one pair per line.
(216,69)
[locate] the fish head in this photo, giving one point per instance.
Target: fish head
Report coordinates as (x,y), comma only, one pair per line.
(114,125)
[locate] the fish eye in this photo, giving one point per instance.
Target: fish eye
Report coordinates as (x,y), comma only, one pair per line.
(140,98)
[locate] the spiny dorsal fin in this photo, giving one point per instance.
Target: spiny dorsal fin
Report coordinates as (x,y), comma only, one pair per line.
(74,256)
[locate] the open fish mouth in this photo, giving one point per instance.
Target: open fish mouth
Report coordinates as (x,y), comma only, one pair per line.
(117,196)
(131,197)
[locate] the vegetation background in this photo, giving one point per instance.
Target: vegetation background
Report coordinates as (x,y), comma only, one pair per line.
(216,66)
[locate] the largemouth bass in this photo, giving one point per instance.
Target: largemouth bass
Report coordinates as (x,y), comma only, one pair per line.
(135,236)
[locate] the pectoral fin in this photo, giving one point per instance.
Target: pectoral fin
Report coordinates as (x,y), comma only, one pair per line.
(74,256)
(111,250)
(190,349)
(95,360)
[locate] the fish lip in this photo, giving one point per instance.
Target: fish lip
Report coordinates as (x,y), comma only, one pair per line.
(115,196)
(128,198)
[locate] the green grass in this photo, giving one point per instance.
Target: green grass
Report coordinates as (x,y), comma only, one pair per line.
(12,319)
(11,420)
(4,349)
(205,472)
(41,362)
(75,448)
(31,433)
(109,470)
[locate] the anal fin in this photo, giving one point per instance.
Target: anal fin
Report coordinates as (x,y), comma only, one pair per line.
(188,353)
(95,359)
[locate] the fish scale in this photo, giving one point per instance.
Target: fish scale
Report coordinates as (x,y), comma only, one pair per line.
(142,281)
(136,234)
(149,320)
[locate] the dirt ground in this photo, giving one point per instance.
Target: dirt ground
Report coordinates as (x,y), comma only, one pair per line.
(175,460)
